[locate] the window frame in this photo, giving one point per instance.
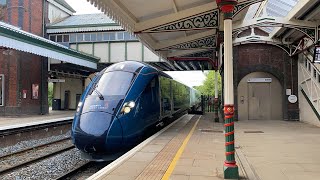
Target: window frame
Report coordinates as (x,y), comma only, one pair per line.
(58,38)
(64,36)
(53,36)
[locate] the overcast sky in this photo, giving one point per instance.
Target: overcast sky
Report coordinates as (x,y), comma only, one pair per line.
(191,78)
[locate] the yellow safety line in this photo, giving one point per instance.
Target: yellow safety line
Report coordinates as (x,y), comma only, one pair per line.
(173,163)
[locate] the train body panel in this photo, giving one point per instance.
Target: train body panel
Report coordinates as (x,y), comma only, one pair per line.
(121,102)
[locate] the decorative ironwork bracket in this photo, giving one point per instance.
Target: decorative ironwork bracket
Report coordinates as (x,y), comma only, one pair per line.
(206,20)
(208,42)
(308,29)
(206,54)
(241,6)
(310,32)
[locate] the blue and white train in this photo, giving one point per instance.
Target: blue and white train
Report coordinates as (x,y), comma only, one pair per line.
(121,103)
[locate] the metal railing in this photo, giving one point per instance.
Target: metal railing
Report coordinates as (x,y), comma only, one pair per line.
(310,80)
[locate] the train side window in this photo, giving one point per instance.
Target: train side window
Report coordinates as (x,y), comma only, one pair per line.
(151,88)
(1,90)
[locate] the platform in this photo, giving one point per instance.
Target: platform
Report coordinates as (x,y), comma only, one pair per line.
(264,150)
(29,120)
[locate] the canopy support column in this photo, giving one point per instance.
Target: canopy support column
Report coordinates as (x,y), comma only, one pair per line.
(230,166)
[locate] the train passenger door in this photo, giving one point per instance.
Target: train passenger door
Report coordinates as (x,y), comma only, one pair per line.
(165,94)
(149,102)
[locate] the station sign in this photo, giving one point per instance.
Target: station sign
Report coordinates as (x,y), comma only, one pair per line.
(259,80)
(57,80)
(316,56)
(292,99)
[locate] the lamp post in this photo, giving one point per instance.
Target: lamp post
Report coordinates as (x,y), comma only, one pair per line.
(230,167)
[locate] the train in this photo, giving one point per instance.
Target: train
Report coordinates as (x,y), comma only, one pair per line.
(121,103)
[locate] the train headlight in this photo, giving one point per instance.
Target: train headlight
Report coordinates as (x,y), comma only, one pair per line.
(128,106)
(131,104)
(126,110)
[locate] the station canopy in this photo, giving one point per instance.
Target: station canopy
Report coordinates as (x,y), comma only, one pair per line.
(14,38)
(188,33)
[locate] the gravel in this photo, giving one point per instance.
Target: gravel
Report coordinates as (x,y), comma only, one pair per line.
(49,168)
(31,143)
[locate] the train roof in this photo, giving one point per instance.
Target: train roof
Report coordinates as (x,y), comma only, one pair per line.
(133,66)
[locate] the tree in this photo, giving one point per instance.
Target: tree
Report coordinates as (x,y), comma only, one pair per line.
(50,94)
(208,85)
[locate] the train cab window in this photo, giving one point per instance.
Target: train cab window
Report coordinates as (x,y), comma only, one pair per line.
(1,89)
(115,83)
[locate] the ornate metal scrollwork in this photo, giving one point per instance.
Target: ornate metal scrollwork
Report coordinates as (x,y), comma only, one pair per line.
(208,54)
(239,7)
(207,20)
(310,32)
(208,42)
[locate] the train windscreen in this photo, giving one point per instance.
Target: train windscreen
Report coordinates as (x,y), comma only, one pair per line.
(115,83)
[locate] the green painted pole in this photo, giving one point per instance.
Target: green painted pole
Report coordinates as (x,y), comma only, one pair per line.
(230,167)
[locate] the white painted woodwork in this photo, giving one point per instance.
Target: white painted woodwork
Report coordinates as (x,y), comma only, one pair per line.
(134,51)
(101,50)
(117,52)
(311,86)
(86,48)
(149,56)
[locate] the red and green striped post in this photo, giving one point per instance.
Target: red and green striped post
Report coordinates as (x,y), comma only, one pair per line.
(230,166)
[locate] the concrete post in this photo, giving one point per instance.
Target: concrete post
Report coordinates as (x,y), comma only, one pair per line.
(230,166)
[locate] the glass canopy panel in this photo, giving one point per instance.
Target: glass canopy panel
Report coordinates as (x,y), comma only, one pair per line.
(275,8)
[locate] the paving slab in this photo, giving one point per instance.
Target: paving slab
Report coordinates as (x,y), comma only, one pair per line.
(266,150)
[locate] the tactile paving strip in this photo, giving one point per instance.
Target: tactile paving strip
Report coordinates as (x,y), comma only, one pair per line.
(158,166)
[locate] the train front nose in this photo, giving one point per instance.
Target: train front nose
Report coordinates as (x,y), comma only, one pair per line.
(97,133)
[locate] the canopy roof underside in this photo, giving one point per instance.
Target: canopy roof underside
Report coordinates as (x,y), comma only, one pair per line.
(15,38)
(191,30)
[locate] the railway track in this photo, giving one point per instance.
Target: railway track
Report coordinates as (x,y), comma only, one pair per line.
(83,171)
(14,161)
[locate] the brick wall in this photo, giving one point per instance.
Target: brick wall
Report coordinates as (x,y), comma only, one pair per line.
(21,69)
(271,59)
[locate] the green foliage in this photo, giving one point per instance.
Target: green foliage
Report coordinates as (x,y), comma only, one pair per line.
(50,94)
(208,85)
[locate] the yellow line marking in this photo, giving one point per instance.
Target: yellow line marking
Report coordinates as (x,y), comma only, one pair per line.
(173,163)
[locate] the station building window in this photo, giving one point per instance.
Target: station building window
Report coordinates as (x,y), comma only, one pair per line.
(59,38)
(120,36)
(79,37)
(112,36)
(106,36)
(127,36)
(73,38)
(93,37)
(86,37)
(1,90)
(66,38)
(99,36)
(52,38)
